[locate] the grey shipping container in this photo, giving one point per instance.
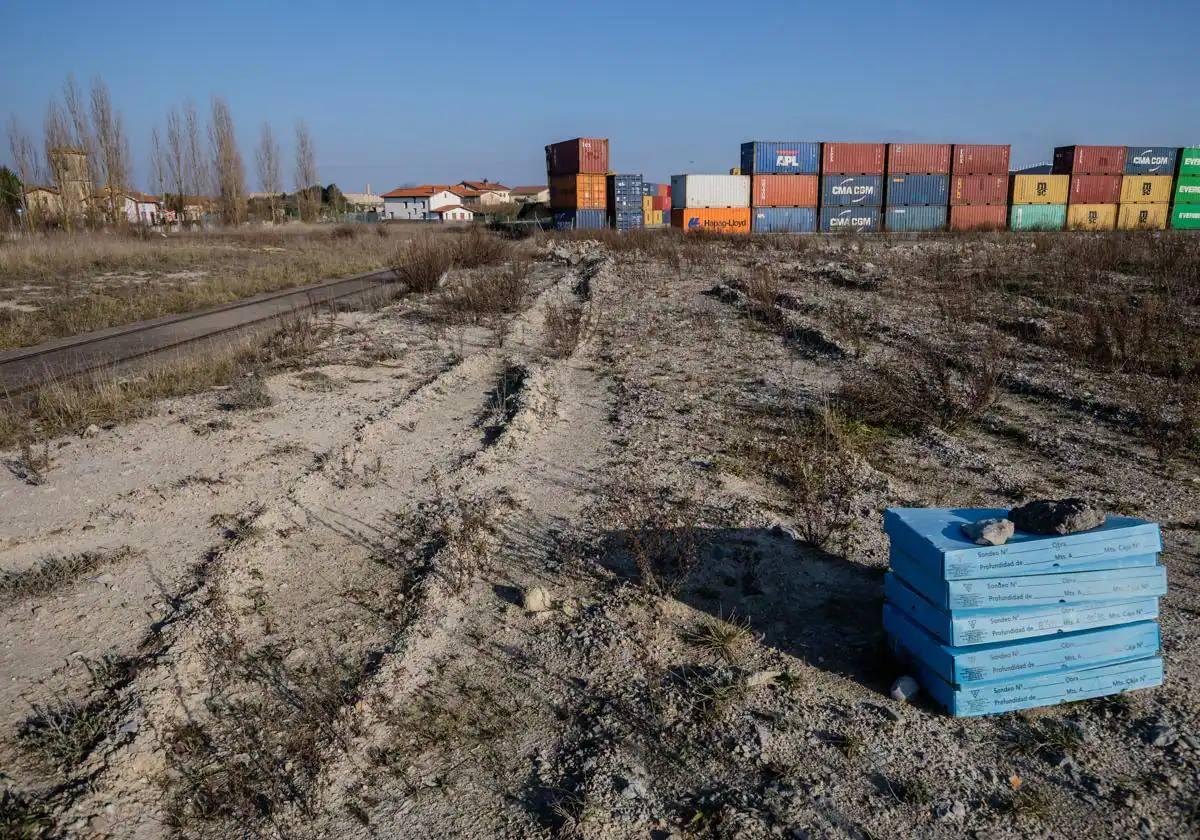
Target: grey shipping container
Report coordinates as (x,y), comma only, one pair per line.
(580,220)
(624,193)
(918,189)
(781,157)
(783,220)
(849,190)
(1150,160)
(626,219)
(928,217)
(849,219)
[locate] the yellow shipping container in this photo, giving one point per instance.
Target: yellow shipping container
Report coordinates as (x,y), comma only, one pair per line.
(647,203)
(654,217)
(1040,189)
(1092,217)
(1146,189)
(1143,216)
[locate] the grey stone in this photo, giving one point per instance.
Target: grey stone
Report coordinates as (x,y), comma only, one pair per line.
(762,678)
(536,600)
(950,809)
(989,531)
(1162,735)
(1062,516)
(905,689)
(91,431)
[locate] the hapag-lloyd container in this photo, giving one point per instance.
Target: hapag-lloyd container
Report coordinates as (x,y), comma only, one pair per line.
(1150,160)
(1187,189)
(580,220)
(924,218)
(1030,217)
(784,190)
(850,219)
(731,220)
(578,192)
(583,154)
(1091,217)
(1095,189)
(1089,160)
(1185,217)
(1189,160)
(781,157)
(917,189)
(850,190)
(852,159)
(1146,189)
(979,189)
(918,159)
(978,217)
(980,159)
(783,219)
(1143,216)
(1040,189)
(710,191)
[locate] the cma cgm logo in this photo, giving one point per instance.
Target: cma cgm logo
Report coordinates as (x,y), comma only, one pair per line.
(787,158)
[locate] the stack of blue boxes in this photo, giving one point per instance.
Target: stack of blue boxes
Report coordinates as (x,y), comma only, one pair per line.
(1037,621)
(625,201)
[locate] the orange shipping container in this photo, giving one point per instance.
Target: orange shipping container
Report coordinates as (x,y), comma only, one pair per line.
(784,190)
(978,217)
(578,192)
(735,220)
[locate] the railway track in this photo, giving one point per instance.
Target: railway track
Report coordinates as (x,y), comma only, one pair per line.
(173,336)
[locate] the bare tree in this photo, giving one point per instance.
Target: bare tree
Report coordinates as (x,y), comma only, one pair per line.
(29,169)
(62,159)
(306,174)
(266,160)
(112,149)
(158,163)
(83,137)
(227,164)
(199,179)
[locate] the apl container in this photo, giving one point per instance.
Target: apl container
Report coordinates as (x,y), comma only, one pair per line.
(583,154)
(929,217)
(1146,189)
(780,157)
(1030,217)
(850,219)
(850,190)
(578,192)
(784,190)
(710,191)
(730,220)
(580,220)
(918,159)
(978,189)
(1187,189)
(980,159)
(626,219)
(978,217)
(783,219)
(624,193)
(852,159)
(1089,160)
(1095,189)
(917,189)
(1143,216)
(1150,160)
(1189,160)
(1185,217)
(1040,189)
(1091,217)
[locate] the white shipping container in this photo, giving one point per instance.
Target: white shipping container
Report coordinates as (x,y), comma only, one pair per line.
(710,191)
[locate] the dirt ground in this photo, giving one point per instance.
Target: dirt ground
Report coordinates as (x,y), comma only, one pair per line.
(484,580)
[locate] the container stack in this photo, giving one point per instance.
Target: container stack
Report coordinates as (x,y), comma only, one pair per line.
(578,176)
(918,186)
(979,187)
(1036,621)
(851,187)
(625,202)
(1095,192)
(1038,201)
(1185,214)
(713,203)
(656,204)
(784,185)
(1146,188)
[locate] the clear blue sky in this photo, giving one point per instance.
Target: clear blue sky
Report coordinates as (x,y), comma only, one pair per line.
(400,92)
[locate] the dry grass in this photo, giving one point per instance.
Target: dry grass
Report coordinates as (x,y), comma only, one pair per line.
(52,573)
(565,324)
(423,263)
(493,292)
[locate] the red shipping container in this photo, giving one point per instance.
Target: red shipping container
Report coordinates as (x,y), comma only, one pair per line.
(979,217)
(1089,160)
(978,189)
(852,159)
(784,190)
(918,158)
(660,202)
(1095,189)
(980,159)
(572,157)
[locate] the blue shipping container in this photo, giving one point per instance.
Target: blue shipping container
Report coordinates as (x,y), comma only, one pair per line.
(781,157)
(918,189)
(624,193)
(626,220)
(580,220)
(846,219)
(1150,160)
(850,190)
(931,217)
(649,188)
(783,220)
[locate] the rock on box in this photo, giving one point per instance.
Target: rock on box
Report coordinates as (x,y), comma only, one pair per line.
(1136,576)
(976,627)
(933,538)
(960,666)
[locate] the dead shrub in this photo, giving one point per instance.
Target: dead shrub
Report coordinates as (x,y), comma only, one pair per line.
(565,324)
(659,532)
(52,573)
(495,292)
(762,290)
(345,232)
(422,265)
(477,248)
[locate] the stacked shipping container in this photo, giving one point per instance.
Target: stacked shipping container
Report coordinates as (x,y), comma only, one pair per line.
(918,186)
(625,201)
(1038,201)
(715,203)
(1185,215)
(1145,199)
(784,185)
(578,176)
(979,186)
(656,204)
(1095,190)
(851,187)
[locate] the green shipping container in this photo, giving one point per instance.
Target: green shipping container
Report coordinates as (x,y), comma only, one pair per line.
(1189,160)
(1038,217)
(1185,217)
(1187,189)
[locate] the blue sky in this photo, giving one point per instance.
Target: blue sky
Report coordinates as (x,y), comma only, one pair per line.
(401,92)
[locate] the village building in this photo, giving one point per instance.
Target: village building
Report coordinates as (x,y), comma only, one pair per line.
(536,194)
(418,203)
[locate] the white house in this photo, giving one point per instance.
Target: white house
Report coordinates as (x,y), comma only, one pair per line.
(418,203)
(453,213)
(142,209)
(485,192)
(531,194)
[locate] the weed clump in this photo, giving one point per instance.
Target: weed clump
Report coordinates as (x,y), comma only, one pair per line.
(422,265)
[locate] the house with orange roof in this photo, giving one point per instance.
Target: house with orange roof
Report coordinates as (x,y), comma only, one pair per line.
(485,192)
(454,213)
(418,203)
(535,193)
